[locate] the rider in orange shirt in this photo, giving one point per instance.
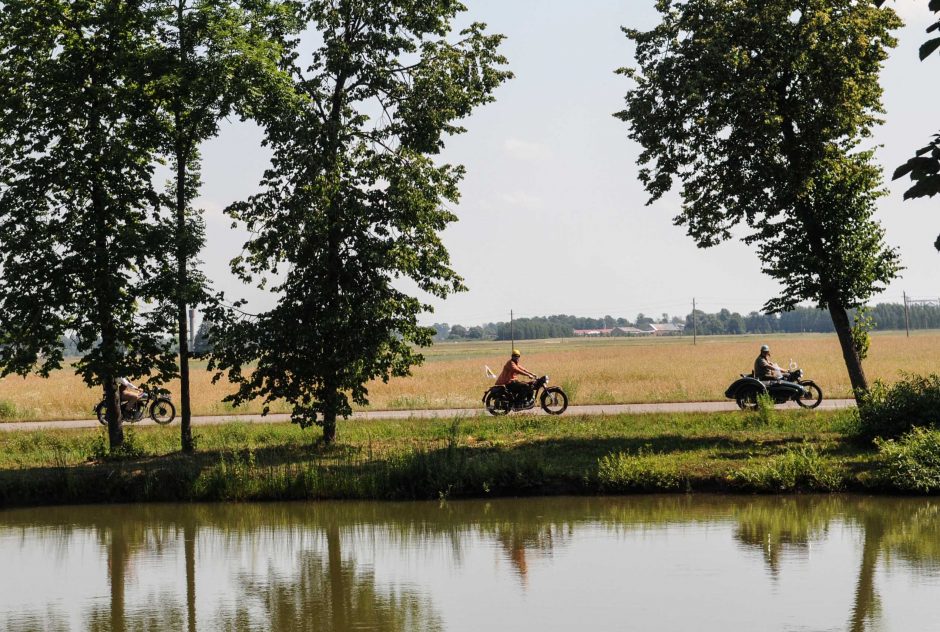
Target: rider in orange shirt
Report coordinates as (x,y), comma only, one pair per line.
(511,370)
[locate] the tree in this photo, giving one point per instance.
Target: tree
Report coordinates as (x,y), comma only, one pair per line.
(924,168)
(215,53)
(76,201)
(354,200)
(457,332)
(758,109)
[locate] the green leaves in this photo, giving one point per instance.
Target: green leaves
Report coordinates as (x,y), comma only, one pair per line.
(928,47)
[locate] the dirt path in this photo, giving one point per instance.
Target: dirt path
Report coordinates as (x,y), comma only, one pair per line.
(597,409)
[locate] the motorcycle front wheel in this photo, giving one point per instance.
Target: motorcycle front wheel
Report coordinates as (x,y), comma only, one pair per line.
(554,401)
(496,405)
(813,397)
(162,411)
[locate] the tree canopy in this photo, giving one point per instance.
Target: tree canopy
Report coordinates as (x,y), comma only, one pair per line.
(758,110)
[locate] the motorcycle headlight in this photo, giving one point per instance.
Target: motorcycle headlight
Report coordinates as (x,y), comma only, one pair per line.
(546,379)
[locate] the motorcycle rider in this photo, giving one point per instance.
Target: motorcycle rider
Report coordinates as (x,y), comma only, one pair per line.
(511,370)
(129,394)
(764,369)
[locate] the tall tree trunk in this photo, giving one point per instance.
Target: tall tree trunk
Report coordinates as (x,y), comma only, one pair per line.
(104,290)
(840,319)
(333,258)
(186,433)
(329,424)
(182,274)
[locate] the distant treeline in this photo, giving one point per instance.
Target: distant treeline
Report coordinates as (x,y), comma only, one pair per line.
(886,316)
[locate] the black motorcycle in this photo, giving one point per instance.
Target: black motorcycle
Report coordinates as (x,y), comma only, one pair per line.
(787,386)
(156,402)
(501,400)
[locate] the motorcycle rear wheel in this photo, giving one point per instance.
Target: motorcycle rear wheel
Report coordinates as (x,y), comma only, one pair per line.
(746,398)
(813,398)
(554,401)
(101,413)
(162,411)
(496,405)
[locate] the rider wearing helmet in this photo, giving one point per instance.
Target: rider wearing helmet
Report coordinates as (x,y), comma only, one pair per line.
(511,370)
(764,368)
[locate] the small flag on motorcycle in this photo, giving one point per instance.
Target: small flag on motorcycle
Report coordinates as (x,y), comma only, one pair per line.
(489,372)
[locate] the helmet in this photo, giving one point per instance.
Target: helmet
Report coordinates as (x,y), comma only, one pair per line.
(764,348)
(516,353)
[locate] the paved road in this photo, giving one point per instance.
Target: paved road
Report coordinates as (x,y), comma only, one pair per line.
(600,409)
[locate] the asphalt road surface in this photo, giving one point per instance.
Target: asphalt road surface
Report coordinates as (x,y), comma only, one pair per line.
(597,409)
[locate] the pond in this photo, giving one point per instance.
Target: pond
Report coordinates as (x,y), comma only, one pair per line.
(612,563)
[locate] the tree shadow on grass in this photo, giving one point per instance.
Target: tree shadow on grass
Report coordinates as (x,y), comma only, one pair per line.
(400,471)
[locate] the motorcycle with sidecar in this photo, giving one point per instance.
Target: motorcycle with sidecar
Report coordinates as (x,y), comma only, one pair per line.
(787,386)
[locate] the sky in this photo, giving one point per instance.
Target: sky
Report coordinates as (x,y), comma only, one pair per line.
(552,218)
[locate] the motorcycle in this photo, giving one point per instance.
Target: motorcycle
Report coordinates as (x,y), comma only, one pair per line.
(156,402)
(500,400)
(787,386)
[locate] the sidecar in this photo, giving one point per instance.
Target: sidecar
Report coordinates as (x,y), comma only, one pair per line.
(747,389)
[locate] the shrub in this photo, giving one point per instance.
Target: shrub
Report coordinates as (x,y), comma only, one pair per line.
(801,468)
(892,411)
(131,449)
(764,415)
(912,463)
(623,472)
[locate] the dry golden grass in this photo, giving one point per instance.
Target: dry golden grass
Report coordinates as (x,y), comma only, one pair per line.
(597,371)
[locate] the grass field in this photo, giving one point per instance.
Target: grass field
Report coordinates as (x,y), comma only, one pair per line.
(592,371)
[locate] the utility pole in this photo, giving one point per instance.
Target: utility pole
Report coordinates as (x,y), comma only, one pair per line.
(907,318)
(512,333)
(192,328)
(694,332)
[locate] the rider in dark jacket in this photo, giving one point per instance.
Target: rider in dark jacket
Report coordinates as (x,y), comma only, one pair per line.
(764,369)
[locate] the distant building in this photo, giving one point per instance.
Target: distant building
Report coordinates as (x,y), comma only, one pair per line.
(629,331)
(665,329)
(593,332)
(654,329)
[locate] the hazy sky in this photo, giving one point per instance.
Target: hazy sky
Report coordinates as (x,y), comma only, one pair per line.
(552,217)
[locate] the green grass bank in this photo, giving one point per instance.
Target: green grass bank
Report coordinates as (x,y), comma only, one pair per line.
(767,451)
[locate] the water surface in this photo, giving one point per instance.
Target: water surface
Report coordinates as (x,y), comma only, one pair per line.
(624,563)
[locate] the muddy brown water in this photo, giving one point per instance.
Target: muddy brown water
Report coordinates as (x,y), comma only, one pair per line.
(612,563)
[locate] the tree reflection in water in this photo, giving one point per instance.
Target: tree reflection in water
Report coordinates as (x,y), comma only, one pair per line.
(327,583)
(327,593)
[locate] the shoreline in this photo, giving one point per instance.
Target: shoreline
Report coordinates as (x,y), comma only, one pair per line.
(766,452)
